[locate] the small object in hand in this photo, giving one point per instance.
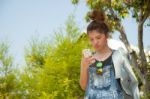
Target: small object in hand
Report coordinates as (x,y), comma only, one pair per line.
(87,53)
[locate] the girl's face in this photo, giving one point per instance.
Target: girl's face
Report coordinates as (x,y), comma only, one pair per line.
(98,40)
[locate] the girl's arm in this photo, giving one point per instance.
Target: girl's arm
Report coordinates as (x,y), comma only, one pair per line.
(85,62)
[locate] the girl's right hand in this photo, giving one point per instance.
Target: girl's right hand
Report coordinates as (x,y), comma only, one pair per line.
(87,61)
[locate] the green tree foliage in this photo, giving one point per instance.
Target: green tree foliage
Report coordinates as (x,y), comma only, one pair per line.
(35,53)
(7,75)
(117,10)
(52,70)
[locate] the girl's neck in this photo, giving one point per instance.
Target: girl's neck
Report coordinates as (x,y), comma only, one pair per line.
(103,54)
(104,51)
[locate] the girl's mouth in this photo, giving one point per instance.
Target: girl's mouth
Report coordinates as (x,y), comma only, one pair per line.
(96,46)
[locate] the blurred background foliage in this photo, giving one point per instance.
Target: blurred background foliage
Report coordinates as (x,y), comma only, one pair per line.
(52,68)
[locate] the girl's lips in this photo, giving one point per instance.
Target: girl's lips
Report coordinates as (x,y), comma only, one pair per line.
(96,46)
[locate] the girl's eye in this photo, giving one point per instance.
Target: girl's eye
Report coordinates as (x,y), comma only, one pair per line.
(91,39)
(98,37)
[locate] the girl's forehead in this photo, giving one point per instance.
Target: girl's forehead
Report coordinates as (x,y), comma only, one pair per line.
(95,33)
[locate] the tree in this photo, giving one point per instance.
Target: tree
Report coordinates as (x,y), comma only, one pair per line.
(116,11)
(7,75)
(58,75)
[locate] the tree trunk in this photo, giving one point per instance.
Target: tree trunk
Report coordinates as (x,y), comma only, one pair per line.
(143,57)
(143,76)
(131,52)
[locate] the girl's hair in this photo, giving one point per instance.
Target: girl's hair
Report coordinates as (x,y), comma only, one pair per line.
(97,23)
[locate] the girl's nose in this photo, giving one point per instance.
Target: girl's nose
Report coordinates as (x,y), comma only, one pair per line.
(95,42)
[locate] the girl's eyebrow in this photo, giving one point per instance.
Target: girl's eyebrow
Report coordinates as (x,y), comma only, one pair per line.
(98,36)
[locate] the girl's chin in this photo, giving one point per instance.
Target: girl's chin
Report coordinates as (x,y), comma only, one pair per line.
(98,48)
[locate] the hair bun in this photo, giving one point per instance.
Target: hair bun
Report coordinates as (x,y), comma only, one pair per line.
(97,15)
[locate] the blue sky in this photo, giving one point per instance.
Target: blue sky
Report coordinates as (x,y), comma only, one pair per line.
(20,20)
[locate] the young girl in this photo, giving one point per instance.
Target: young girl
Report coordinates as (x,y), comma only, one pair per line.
(107,73)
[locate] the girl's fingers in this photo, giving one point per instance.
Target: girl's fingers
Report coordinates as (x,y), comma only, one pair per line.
(91,60)
(88,61)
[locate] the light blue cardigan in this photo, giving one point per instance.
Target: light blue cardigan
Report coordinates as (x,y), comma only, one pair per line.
(123,70)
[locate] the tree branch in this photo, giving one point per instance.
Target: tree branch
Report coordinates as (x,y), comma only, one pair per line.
(147,12)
